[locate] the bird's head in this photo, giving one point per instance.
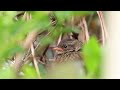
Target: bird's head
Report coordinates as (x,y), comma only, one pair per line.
(68,45)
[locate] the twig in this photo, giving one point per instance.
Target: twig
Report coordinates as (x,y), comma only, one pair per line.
(19,58)
(86,29)
(35,61)
(72,25)
(103,28)
(48,33)
(84,34)
(59,39)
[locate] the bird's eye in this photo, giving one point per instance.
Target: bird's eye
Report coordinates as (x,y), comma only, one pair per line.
(65,46)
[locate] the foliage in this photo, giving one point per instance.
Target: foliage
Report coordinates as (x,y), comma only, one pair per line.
(93,57)
(13,33)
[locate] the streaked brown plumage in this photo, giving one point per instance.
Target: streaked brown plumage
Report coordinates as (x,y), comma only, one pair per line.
(69,51)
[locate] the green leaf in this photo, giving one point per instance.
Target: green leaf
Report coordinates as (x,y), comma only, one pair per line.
(93,56)
(42,18)
(62,15)
(42,71)
(83,13)
(7,73)
(29,72)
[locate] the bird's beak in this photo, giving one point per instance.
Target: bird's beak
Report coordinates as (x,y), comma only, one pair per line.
(57,49)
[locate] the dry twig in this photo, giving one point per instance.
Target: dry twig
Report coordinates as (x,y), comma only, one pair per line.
(35,61)
(84,34)
(59,39)
(19,58)
(86,29)
(103,28)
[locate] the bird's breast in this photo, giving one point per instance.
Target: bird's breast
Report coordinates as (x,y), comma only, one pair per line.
(68,57)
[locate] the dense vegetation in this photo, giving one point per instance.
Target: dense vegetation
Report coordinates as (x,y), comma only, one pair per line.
(26,38)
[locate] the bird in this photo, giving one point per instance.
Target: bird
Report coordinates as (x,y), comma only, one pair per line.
(69,53)
(68,49)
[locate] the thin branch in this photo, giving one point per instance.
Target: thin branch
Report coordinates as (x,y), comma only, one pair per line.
(59,39)
(35,61)
(84,34)
(19,57)
(38,45)
(86,29)
(103,28)
(81,36)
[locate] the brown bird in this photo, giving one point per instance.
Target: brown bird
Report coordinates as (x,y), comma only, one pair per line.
(68,52)
(68,49)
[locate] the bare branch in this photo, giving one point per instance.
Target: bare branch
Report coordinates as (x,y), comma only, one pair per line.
(35,61)
(26,45)
(59,39)
(84,34)
(103,28)
(86,29)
